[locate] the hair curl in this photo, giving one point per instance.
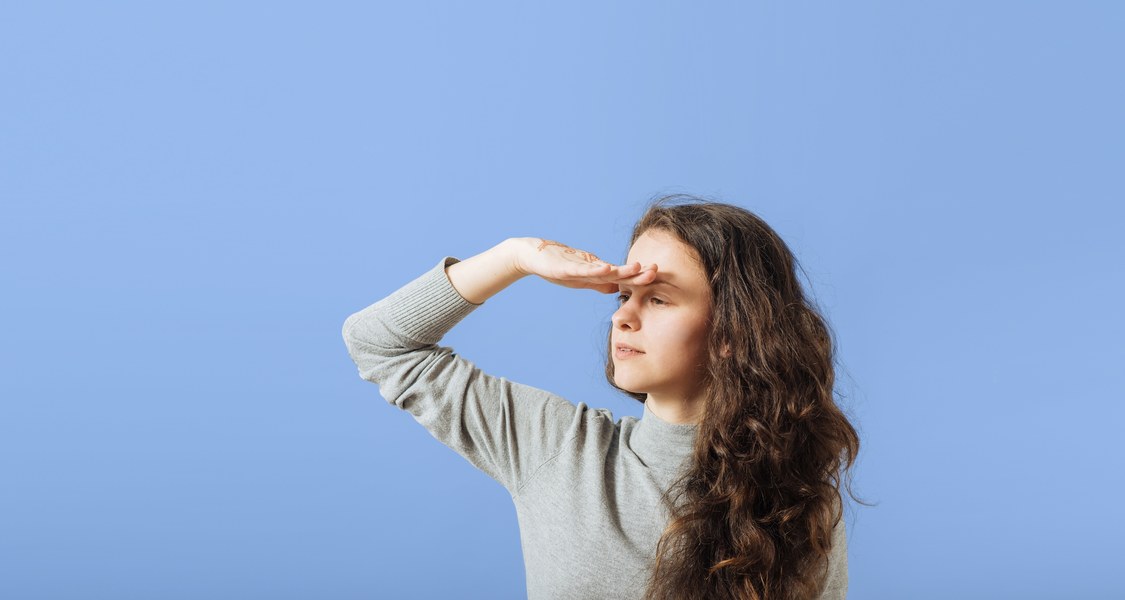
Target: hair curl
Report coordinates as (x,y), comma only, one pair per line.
(753,515)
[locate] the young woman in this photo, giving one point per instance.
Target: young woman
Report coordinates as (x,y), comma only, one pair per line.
(728,486)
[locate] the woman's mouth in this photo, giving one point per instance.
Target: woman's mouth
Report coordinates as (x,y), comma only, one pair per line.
(623,352)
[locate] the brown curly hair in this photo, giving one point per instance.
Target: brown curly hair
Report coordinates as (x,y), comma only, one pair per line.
(753,515)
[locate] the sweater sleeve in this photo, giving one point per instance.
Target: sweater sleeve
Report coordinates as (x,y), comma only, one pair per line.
(505,429)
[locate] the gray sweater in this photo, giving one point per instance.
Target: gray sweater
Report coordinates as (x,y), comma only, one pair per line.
(586,488)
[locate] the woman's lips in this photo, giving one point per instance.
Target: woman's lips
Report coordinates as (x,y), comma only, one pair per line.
(626,353)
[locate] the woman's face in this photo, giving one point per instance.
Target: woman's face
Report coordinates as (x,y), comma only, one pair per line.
(667,320)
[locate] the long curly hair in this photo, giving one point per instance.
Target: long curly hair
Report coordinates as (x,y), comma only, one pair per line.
(753,515)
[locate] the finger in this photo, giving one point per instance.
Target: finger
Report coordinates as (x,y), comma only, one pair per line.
(648,275)
(594,269)
(612,272)
(644,277)
(628,270)
(635,269)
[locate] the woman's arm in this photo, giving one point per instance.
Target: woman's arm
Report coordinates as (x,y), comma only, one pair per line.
(504,428)
(482,276)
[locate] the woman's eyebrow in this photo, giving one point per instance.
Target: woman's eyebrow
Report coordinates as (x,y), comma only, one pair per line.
(657,282)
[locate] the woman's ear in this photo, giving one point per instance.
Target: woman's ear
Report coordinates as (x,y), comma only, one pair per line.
(725,351)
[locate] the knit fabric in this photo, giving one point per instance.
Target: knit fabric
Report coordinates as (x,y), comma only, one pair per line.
(586,488)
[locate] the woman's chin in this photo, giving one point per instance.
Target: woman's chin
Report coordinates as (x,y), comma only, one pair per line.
(628,384)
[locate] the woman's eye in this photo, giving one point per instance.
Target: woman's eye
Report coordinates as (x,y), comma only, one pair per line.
(623,297)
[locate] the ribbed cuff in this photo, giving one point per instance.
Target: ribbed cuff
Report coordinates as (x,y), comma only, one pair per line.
(426,309)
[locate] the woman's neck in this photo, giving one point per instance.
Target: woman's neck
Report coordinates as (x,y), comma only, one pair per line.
(675,411)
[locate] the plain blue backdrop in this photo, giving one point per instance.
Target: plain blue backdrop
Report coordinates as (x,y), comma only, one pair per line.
(195,195)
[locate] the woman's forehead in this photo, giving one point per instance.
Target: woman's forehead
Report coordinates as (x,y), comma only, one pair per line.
(670,254)
(676,264)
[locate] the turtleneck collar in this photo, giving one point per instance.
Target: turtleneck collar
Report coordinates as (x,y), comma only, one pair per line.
(661,444)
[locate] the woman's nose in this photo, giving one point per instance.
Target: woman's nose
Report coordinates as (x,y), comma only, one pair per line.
(624,317)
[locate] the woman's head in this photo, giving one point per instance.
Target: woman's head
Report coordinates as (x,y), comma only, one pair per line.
(751,361)
(726,268)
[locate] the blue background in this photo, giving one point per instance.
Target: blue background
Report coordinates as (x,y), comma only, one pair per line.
(196,195)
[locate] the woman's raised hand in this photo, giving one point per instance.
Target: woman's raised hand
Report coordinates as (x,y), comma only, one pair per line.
(573,268)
